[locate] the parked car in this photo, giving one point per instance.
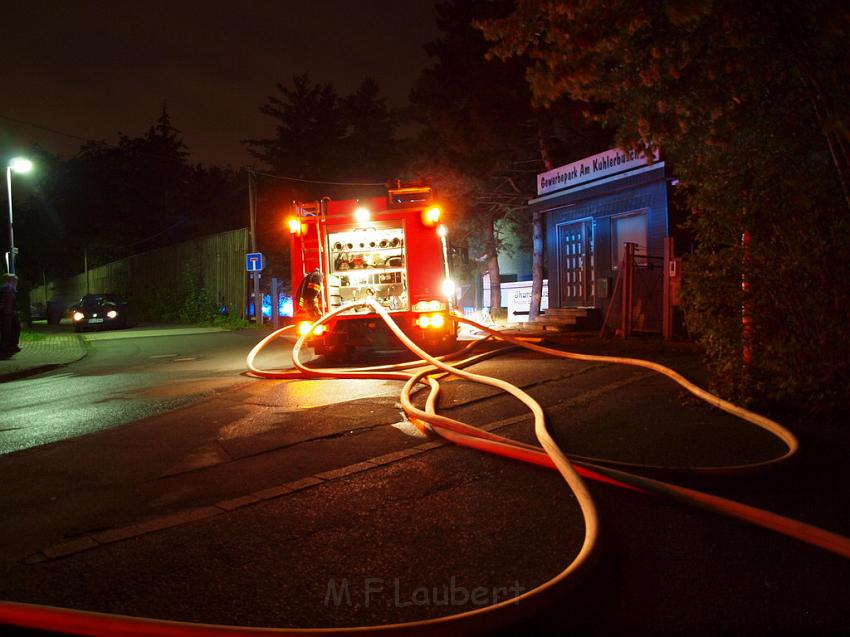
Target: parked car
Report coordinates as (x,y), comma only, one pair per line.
(98,311)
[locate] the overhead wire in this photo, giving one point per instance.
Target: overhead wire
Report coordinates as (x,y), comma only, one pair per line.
(316,181)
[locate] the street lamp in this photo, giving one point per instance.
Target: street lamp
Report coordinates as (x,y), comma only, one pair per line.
(21,166)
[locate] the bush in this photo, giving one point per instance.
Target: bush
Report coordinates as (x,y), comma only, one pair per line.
(198,305)
(232,322)
(798,268)
(188,302)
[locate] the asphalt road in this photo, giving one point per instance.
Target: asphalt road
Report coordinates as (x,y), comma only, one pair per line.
(422,521)
(129,375)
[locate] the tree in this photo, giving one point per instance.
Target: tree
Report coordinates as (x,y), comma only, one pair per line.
(370,147)
(668,55)
(322,136)
(747,100)
(218,196)
(308,132)
(481,128)
(477,132)
(155,175)
(112,200)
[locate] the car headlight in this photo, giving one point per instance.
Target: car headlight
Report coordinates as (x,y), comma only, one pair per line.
(111,314)
(78,316)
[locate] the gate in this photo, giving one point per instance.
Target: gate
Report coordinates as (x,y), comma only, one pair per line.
(645,302)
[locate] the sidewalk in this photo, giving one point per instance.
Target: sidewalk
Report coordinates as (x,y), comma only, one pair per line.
(59,345)
(37,356)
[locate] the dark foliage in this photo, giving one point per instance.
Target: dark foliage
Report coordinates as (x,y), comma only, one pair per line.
(322,136)
(483,141)
(110,201)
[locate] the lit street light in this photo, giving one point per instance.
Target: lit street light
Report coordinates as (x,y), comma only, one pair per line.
(19,165)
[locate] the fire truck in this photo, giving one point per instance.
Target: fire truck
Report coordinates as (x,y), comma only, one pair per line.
(391,249)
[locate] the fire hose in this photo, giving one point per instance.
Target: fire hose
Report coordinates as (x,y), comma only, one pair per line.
(548,454)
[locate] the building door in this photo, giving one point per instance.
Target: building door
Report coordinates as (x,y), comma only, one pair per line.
(575,264)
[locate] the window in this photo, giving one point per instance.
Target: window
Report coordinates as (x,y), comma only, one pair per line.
(629,228)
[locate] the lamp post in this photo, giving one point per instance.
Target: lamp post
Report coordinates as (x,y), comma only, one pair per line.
(19,165)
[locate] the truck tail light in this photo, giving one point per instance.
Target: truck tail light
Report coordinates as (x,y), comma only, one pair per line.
(304,328)
(435,321)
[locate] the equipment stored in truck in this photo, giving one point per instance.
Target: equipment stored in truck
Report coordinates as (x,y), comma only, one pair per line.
(392,249)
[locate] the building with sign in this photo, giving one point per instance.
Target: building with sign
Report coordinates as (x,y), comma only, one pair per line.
(593,207)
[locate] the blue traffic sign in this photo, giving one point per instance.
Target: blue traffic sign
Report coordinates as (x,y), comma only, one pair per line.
(254,261)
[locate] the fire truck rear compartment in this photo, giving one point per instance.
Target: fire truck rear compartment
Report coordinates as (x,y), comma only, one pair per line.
(370,332)
(368,262)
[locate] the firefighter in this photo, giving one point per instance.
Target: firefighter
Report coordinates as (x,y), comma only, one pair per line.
(310,294)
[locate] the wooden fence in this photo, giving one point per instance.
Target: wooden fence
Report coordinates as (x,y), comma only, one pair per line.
(154,281)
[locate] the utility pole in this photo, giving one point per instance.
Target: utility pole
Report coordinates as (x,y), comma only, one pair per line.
(252,207)
(11,259)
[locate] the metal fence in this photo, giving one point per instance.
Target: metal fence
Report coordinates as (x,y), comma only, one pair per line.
(151,280)
(648,288)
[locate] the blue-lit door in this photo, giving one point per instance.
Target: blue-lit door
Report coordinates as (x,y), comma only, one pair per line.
(574,264)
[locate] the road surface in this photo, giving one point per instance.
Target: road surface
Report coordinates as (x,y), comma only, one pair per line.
(132,374)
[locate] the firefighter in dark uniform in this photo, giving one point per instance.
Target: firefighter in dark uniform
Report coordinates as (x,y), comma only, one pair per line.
(310,294)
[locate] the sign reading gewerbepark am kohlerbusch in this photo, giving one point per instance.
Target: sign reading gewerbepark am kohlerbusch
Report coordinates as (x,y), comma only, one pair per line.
(588,169)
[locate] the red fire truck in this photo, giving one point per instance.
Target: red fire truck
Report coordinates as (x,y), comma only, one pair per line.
(391,249)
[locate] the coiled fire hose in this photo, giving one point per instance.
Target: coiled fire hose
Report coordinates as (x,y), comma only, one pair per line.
(547,455)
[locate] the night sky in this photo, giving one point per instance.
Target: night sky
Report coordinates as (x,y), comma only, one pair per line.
(91,69)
